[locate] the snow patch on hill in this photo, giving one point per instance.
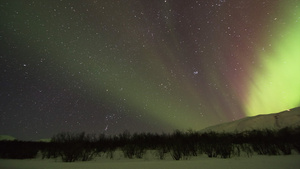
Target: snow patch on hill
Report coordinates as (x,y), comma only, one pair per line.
(6,137)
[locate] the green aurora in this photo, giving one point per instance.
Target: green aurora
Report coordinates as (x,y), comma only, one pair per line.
(276,84)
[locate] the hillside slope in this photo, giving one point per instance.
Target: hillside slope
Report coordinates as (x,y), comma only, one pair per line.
(288,118)
(6,137)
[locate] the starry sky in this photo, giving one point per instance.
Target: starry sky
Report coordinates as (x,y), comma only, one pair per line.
(105,66)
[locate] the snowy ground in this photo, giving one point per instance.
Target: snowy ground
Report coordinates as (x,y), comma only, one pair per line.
(202,162)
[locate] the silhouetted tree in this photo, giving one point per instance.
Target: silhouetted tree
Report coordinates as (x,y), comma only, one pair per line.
(74,147)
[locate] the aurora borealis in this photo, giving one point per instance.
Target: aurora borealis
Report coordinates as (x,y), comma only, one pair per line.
(144,66)
(276,84)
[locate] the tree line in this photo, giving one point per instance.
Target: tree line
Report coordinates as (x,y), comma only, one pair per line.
(180,145)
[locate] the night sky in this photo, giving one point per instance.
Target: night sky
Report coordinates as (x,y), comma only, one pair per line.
(105,66)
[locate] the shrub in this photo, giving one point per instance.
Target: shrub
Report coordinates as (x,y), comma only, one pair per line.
(74,147)
(18,149)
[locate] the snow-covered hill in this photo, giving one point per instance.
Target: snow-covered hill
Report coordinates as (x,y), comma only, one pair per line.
(288,118)
(6,137)
(47,140)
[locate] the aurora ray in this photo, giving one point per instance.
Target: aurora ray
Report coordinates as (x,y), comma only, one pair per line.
(276,84)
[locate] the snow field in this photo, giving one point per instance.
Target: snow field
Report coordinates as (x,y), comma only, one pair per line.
(200,162)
